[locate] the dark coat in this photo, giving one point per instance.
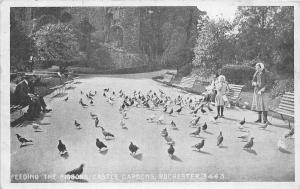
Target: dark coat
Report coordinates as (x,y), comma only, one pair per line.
(21,93)
(264,80)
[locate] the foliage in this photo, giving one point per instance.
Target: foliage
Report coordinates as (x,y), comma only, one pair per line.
(282,86)
(20,44)
(214,46)
(100,54)
(185,70)
(44,20)
(266,33)
(56,42)
(239,75)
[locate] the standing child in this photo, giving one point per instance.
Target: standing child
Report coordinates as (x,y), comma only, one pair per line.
(222,88)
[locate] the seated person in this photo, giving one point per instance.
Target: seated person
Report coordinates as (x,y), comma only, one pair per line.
(24,95)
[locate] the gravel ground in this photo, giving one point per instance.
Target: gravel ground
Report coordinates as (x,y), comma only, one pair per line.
(152,162)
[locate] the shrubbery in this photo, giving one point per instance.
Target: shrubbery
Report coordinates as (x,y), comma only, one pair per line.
(185,70)
(238,74)
(281,86)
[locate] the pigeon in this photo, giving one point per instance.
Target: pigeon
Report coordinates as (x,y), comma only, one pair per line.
(106,134)
(61,147)
(281,144)
(165,109)
(22,139)
(91,102)
(199,145)
(249,145)
(160,119)
(171,150)
(204,127)
(202,110)
(209,108)
(77,171)
(171,111)
(36,127)
(169,140)
(151,118)
(195,121)
(246,136)
(66,99)
(243,121)
(96,122)
(164,132)
(220,139)
(290,133)
(124,115)
(197,132)
(100,144)
(93,116)
(133,148)
(122,123)
(173,125)
(82,103)
(81,92)
(214,119)
(77,124)
(104,94)
(179,110)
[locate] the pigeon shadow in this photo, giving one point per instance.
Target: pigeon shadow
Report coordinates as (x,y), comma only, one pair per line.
(202,152)
(78,128)
(267,130)
(24,145)
(108,139)
(175,128)
(197,136)
(38,131)
(251,151)
(138,156)
(284,151)
(79,180)
(225,147)
(125,128)
(65,155)
(175,158)
(103,152)
(210,133)
(43,123)
(59,95)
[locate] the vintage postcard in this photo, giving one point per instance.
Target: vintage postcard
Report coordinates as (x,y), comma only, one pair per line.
(149,94)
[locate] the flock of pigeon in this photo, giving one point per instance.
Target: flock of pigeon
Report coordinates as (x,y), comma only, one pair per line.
(159,101)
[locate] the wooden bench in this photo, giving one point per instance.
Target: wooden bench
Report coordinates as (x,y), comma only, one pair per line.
(234,93)
(59,89)
(16,112)
(286,106)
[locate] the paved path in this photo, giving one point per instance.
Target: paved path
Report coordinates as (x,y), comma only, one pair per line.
(230,163)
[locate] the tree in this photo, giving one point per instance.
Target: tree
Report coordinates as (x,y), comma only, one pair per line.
(215,46)
(266,34)
(20,44)
(56,43)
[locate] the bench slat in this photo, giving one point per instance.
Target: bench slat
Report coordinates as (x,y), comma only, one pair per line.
(286,108)
(288,103)
(284,112)
(288,99)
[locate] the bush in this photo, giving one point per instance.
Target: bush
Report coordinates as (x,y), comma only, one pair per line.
(185,70)
(281,86)
(239,75)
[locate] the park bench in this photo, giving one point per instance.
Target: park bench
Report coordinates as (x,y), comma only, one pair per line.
(59,89)
(286,106)
(167,78)
(234,93)
(16,112)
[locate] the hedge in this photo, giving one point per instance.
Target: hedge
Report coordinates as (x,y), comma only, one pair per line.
(239,75)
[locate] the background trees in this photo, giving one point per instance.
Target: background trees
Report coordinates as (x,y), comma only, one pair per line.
(257,34)
(56,43)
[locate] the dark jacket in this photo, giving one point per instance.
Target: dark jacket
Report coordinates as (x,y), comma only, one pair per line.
(264,80)
(21,93)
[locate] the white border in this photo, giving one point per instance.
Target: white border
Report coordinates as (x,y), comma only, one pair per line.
(4,101)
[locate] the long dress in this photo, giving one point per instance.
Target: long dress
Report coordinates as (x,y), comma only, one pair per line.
(222,88)
(259,102)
